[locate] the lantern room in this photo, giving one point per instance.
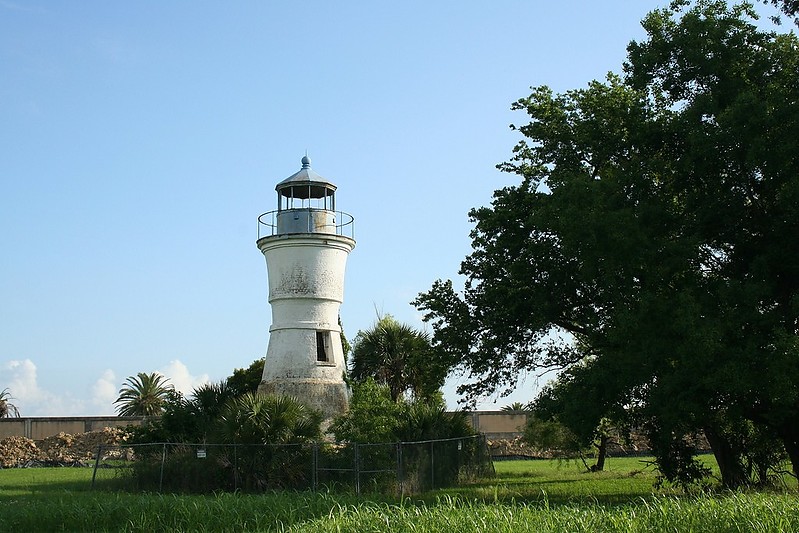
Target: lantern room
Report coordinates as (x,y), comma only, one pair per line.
(306,203)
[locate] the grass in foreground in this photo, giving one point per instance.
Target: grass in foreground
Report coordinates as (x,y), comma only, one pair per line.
(525,496)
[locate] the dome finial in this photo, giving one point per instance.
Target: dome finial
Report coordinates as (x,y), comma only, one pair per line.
(306,161)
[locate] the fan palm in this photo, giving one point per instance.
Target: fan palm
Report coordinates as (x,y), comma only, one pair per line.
(143,395)
(516,406)
(254,418)
(259,421)
(398,356)
(208,399)
(428,420)
(7,409)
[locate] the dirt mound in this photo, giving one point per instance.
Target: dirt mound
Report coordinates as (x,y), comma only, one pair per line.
(633,444)
(16,451)
(516,447)
(61,449)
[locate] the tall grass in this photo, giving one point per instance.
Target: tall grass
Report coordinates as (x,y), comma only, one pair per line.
(324,512)
(525,496)
(734,513)
(156,512)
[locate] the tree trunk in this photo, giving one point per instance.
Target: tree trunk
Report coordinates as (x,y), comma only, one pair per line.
(732,471)
(789,435)
(601,453)
(792,448)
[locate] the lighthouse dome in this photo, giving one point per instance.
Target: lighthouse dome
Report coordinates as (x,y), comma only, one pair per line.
(305,184)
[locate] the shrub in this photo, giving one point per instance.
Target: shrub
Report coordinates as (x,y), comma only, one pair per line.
(372,417)
(255,418)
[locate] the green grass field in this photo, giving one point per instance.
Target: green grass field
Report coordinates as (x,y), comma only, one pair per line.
(525,496)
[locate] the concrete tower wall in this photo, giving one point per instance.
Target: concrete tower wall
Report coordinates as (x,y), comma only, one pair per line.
(306,287)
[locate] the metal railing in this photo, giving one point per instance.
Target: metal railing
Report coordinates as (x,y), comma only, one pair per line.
(343,223)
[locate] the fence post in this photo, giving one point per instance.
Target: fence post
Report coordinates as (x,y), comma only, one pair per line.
(400,481)
(96,463)
(315,466)
(163,461)
(432,466)
(357,472)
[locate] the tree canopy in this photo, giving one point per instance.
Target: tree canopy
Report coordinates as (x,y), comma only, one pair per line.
(244,380)
(650,248)
(789,7)
(375,417)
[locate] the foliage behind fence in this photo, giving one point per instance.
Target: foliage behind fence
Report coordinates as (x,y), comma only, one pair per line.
(400,468)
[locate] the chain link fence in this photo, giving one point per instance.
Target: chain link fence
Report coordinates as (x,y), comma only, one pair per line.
(398,468)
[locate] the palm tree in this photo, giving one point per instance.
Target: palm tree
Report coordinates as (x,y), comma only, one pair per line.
(431,420)
(7,409)
(254,418)
(398,356)
(516,406)
(259,422)
(143,395)
(208,399)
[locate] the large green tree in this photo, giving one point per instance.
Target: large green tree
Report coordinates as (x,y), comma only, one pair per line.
(374,417)
(244,380)
(650,249)
(789,7)
(399,356)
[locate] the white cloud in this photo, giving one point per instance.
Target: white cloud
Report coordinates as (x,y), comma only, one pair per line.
(105,391)
(21,379)
(180,377)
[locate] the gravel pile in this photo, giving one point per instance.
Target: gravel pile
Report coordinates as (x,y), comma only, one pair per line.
(61,449)
(16,451)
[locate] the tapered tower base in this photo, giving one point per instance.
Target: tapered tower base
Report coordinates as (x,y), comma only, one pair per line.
(331,399)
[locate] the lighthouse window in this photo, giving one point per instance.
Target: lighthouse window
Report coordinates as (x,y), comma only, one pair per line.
(322,346)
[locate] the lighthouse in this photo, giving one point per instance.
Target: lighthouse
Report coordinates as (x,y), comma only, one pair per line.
(306,243)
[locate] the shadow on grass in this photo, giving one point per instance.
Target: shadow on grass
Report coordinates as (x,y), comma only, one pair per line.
(15,490)
(16,482)
(554,483)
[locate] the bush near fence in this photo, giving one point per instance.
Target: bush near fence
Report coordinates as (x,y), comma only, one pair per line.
(396,468)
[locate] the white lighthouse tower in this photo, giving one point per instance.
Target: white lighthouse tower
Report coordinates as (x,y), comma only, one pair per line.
(306,243)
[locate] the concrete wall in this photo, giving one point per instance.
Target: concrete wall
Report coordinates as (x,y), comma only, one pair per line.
(499,424)
(38,428)
(494,424)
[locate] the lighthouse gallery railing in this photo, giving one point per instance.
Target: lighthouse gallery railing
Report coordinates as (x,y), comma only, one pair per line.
(343,224)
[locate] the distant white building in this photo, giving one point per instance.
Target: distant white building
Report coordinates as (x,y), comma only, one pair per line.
(306,243)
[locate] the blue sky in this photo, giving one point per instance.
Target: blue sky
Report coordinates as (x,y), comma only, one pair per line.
(140,141)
